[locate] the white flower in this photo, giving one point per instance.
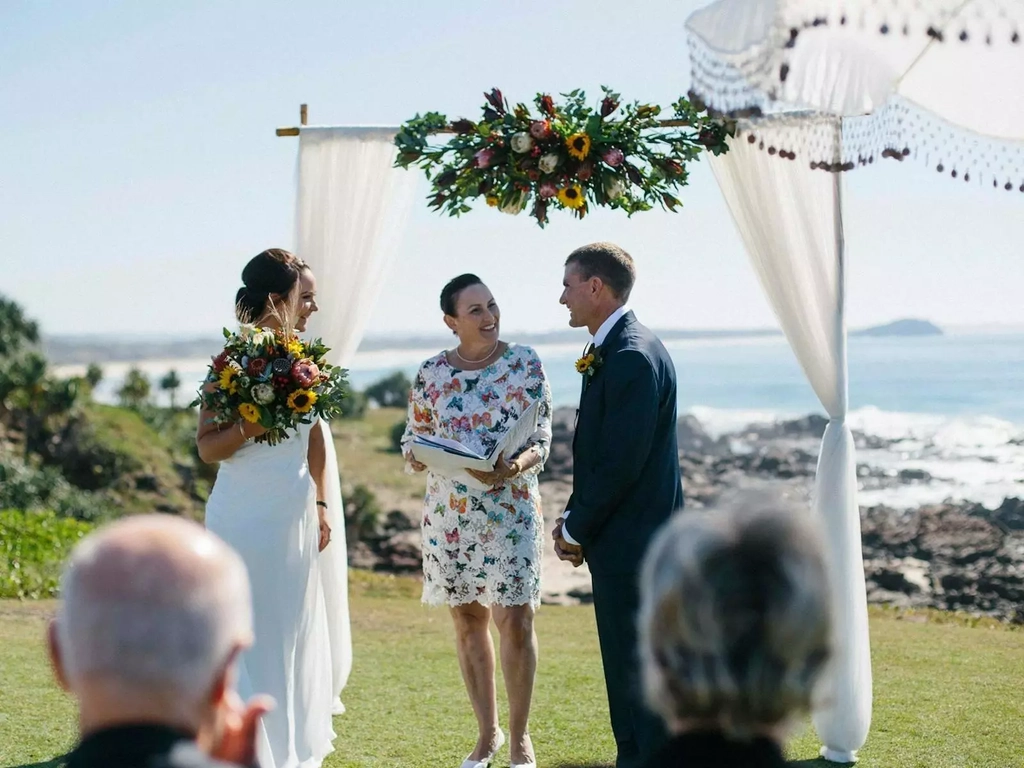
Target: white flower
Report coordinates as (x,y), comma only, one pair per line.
(549,162)
(522,142)
(263,394)
(614,188)
(245,330)
(515,205)
(262,337)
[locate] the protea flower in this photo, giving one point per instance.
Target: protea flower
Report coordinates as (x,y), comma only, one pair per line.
(608,105)
(547,104)
(483,158)
(463,126)
(613,157)
(586,170)
(522,142)
(540,129)
(305,373)
(547,189)
(496,100)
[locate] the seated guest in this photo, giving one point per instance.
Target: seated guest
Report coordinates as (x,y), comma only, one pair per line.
(154,612)
(735,629)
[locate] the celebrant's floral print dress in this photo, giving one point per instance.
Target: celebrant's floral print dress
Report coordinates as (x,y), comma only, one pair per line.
(481,546)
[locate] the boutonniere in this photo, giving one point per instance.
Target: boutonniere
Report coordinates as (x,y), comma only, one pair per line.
(588,364)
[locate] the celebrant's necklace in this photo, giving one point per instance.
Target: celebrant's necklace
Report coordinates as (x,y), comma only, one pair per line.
(482,359)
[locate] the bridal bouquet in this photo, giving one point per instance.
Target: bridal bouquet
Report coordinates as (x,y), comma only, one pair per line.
(272,378)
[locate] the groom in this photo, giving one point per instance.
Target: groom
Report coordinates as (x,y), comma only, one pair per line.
(626,480)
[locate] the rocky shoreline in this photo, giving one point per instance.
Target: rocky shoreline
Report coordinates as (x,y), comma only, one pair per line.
(952,556)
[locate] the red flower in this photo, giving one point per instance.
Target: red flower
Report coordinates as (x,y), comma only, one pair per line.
(305,373)
(586,170)
(608,105)
(283,382)
(257,366)
(220,362)
(533,174)
(496,100)
(483,158)
(547,104)
(613,156)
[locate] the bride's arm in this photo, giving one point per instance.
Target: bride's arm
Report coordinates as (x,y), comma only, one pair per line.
(217,442)
(316,457)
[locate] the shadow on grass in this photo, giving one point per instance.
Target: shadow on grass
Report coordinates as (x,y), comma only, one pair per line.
(56,762)
(585,765)
(817,762)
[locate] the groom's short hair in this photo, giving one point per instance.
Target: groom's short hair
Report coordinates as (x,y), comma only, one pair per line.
(610,263)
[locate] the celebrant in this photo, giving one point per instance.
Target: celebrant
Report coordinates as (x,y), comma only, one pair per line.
(483,530)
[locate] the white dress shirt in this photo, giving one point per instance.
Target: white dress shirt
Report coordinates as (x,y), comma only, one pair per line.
(599,339)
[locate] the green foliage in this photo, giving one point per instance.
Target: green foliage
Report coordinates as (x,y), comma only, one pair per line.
(33,546)
(135,390)
(396,435)
(171,383)
(17,332)
(94,375)
(391,391)
(362,512)
(568,155)
(32,488)
(355,405)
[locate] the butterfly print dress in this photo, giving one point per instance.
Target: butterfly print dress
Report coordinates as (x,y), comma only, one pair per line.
(481,546)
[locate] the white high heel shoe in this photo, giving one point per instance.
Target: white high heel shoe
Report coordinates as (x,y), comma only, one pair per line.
(486,762)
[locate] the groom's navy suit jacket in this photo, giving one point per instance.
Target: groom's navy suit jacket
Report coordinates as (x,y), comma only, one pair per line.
(626,479)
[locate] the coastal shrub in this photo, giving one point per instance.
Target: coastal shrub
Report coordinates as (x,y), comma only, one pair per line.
(391,391)
(397,432)
(355,405)
(28,487)
(362,513)
(33,546)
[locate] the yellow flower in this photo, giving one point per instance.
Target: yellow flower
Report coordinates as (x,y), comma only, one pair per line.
(584,363)
(295,348)
(227,379)
(301,400)
(249,412)
(579,145)
(492,201)
(571,196)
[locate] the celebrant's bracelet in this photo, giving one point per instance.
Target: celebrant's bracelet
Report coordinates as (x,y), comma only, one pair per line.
(322,504)
(241,431)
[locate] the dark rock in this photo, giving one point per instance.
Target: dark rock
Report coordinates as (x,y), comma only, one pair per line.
(914,475)
(1011,514)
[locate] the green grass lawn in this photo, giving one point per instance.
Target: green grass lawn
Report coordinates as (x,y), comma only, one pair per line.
(946,694)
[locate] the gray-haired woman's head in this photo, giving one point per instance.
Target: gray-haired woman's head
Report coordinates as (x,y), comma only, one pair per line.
(735,620)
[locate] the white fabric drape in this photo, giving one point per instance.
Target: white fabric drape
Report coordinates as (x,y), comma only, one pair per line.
(790,219)
(350,214)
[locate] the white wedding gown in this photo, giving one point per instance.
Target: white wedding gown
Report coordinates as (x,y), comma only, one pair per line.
(264,505)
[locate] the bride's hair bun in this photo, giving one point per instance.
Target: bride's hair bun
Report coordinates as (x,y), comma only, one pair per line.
(274,271)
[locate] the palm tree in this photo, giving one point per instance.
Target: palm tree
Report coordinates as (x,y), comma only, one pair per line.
(171,383)
(93,375)
(135,390)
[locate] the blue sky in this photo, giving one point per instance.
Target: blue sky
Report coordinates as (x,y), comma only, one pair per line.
(139,168)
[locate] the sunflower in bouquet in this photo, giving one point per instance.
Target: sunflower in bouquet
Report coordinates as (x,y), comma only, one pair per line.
(272,378)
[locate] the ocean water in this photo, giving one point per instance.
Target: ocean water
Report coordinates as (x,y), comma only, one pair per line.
(953,404)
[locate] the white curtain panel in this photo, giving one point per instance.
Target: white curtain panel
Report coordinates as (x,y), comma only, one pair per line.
(790,220)
(351,213)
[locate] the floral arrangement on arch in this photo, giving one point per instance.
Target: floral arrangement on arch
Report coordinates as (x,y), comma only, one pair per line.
(272,378)
(567,155)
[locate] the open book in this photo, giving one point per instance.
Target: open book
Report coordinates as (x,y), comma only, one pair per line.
(451,458)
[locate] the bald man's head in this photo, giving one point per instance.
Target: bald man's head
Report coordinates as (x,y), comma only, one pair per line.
(152,602)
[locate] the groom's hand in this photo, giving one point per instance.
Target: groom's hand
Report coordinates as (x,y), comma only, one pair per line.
(566,551)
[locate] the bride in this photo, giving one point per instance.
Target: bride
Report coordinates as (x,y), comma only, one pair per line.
(268,503)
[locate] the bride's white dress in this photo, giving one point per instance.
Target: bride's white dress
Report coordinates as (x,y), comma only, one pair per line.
(264,505)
